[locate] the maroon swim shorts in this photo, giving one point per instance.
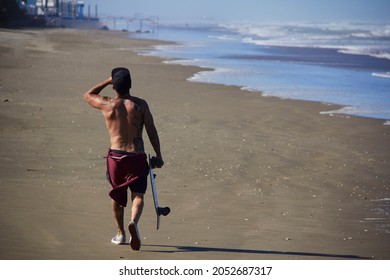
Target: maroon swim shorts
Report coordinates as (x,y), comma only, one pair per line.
(126,170)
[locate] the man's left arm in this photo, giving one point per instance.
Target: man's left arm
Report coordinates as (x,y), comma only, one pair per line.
(92,95)
(153,135)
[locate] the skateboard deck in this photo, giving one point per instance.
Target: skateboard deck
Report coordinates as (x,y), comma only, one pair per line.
(159,210)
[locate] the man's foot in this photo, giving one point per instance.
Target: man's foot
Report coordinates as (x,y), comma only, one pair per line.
(119,239)
(135,240)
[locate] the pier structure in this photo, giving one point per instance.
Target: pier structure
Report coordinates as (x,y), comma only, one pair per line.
(131,24)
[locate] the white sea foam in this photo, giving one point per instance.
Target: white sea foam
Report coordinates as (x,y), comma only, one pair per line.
(184,62)
(382,75)
(363,50)
(208,76)
(376,219)
(381,199)
(249,89)
(355,111)
(224,37)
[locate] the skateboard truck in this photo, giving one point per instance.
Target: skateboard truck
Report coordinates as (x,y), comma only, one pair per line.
(163,211)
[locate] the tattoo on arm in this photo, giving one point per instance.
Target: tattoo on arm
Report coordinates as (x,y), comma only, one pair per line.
(104,100)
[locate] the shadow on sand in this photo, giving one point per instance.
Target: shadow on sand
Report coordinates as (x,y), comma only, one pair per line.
(181,249)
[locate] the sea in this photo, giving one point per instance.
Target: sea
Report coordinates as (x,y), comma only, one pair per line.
(343,63)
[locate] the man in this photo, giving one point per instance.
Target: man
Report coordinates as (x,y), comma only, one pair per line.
(127,166)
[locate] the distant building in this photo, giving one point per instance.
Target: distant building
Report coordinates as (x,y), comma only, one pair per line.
(59,13)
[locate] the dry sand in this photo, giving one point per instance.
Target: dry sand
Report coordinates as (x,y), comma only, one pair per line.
(246,176)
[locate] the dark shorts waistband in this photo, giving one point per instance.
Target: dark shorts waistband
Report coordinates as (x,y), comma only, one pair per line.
(122,152)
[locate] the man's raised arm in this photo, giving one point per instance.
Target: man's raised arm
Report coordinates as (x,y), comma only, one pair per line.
(92,95)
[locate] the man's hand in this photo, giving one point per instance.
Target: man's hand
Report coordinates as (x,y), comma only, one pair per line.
(96,89)
(156,162)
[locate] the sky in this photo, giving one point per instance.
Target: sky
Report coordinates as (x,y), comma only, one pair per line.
(251,10)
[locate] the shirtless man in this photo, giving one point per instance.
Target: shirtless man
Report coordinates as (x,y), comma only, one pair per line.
(127,167)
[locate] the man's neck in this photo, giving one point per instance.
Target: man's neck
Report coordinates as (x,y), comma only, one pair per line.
(127,96)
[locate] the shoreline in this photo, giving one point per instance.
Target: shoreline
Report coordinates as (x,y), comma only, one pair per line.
(246,176)
(343,109)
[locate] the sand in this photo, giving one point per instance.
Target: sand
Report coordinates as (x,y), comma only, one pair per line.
(246,176)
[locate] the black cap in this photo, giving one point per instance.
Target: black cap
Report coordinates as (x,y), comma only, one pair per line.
(121,79)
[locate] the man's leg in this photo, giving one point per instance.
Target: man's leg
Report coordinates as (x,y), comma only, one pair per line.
(136,211)
(118,212)
(137,207)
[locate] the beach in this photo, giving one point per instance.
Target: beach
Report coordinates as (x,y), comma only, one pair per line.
(245,176)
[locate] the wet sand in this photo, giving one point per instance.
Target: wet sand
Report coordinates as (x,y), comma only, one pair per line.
(246,176)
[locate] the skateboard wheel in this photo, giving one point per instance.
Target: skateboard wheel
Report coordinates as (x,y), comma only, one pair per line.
(164,211)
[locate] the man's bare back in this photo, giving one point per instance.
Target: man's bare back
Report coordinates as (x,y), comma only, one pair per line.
(125,118)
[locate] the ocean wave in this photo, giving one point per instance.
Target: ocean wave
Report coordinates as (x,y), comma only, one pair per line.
(223,37)
(287,72)
(363,50)
(382,75)
(352,38)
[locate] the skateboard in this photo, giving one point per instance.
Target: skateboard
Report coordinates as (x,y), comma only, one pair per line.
(159,210)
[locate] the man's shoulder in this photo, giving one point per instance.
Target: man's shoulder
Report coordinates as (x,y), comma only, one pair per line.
(139,101)
(136,98)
